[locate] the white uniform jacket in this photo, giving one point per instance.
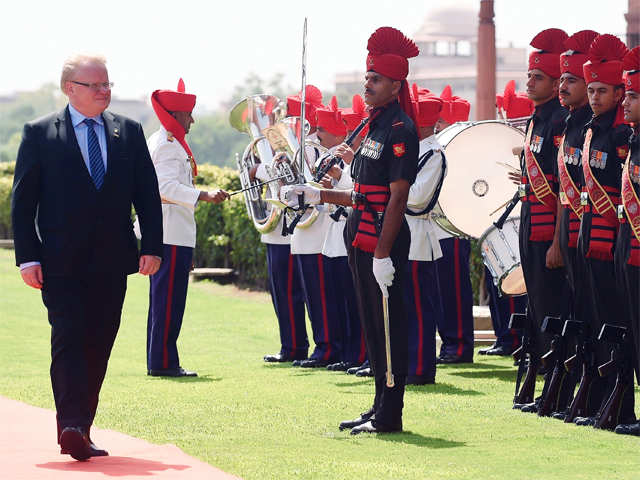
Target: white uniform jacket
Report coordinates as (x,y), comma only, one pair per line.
(425,245)
(177,192)
(306,241)
(275,236)
(334,241)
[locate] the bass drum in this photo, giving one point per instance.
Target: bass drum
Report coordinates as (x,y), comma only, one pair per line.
(501,254)
(476,183)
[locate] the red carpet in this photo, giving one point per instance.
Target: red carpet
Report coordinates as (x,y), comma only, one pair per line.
(28,451)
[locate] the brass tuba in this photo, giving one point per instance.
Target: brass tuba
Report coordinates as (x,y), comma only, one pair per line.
(252,116)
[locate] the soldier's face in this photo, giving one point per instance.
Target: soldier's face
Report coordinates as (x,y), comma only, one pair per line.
(603,97)
(540,86)
(328,139)
(185,119)
(572,91)
(631,106)
(379,90)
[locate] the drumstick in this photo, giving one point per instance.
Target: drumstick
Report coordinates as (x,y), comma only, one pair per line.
(510,167)
(500,207)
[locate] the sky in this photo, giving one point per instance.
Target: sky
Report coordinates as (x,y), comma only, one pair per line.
(214,46)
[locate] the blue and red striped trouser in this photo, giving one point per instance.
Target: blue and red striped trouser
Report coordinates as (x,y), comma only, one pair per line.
(287,296)
(322,310)
(423,302)
(167,299)
(456,325)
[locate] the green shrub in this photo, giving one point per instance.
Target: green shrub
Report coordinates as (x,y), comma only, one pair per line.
(5,206)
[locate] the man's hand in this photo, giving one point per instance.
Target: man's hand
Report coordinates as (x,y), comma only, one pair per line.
(383,271)
(32,276)
(216,196)
(326,182)
(149,264)
(289,194)
(345,152)
(554,256)
(514,177)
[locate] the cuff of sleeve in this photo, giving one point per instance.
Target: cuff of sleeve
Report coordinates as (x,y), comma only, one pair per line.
(261,173)
(28,264)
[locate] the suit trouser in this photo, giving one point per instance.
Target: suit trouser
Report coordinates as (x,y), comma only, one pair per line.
(323,315)
(287,296)
(167,300)
(84,314)
(501,308)
(388,402)
(352,339)
(423,303)
(456,325)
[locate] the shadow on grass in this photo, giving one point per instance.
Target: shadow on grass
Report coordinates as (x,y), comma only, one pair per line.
(473,366)
(446,388)
(199,379)
(502,375)
(360,381)
(420,440)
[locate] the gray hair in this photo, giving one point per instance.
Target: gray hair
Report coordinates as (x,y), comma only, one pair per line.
(72,63)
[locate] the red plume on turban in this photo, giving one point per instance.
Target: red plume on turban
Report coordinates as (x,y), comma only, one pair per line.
(516,105)
(427,106)
(549,44)
(577,48)
(312,101)
(454,108)
(446,93)
(354,115)
(631,63)
(165,101)
(605,60)
(330,118)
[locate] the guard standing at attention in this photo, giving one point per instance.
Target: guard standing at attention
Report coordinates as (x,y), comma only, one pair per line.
(377,235)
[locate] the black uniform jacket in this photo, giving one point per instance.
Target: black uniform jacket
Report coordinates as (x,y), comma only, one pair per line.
(81,229)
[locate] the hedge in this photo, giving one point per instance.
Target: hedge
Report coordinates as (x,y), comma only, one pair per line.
(225,236)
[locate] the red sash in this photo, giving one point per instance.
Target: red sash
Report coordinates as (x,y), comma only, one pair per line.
(377,197)
(630,200)
(570,195)
(599,198)
(539,184)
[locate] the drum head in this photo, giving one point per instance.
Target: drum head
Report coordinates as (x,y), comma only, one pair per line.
(513,283)
(476,183)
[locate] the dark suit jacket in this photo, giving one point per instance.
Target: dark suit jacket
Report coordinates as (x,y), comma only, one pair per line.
(81,229)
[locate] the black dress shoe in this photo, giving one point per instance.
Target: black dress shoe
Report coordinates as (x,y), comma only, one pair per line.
(448,359)
(370,427)
(276,358)
(363,418)
(364,372)
(354,370)
(483,351)
(529,408)
(559,415)
(585,421)
(628,429)
(340,366)
(75,442)
(420,380)
(94,450)
(172,372)
(500,350)
(313,363)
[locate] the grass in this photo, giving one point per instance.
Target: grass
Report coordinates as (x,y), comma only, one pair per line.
(262,421)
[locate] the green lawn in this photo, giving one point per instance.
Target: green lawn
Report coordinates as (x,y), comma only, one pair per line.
(262,421)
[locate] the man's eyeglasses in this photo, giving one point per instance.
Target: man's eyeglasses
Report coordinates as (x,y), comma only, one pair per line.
(96,87)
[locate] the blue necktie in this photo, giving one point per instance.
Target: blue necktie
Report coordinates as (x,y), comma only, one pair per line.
(95,155)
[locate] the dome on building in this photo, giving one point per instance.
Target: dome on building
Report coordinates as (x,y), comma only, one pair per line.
(448,23)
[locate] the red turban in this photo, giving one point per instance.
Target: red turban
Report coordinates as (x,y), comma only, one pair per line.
(605,60)
(454,108)
(514,105)
(549,44)
(330,118)
(312,101)
(631,63)
(577,48)
(165,101)
(353,116)
(427,106)
(389,51)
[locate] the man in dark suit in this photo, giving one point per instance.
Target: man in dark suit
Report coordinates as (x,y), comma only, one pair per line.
(77,175)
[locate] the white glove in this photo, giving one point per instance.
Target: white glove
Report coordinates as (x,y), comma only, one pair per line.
(289,194)
(383,270)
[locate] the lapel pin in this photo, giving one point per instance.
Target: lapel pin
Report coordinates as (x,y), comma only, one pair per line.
(116,133)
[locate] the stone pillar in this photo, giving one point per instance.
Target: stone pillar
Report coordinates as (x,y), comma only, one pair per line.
(486,67)
(633,23)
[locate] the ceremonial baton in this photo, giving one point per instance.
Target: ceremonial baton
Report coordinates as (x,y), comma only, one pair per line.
(387,338)
(257,185)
